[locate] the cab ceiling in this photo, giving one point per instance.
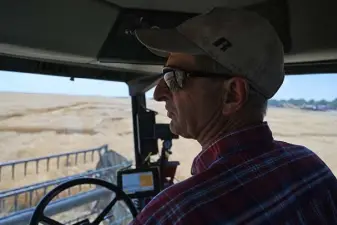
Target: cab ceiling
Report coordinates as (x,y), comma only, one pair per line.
(182,5)
(83,32)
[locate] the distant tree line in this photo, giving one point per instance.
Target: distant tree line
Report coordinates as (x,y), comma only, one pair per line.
(302,102)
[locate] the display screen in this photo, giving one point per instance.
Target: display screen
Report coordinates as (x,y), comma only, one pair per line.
(137,182)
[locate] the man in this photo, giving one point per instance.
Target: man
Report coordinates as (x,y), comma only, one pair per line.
(222,67)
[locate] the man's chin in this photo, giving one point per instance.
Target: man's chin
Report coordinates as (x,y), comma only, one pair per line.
(175,130)
(172,128)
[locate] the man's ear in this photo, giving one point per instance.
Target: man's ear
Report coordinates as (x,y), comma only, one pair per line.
(235,95)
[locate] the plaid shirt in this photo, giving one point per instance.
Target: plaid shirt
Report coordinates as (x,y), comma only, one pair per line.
(247,177)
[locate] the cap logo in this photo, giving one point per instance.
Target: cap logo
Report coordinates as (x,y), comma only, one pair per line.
(223,43)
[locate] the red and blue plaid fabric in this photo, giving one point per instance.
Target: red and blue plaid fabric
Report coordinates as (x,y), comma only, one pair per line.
(247,177)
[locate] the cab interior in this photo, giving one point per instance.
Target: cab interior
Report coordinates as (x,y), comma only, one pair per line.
(94,40)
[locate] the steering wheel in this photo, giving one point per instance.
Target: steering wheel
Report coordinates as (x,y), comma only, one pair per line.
(38,215)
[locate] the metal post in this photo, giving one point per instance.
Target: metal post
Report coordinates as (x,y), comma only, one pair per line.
(76,158)
(137,102)
(58,162)
(48,159)
(37,166)
(13,171)
(25,173)
(67,163)
(92,156)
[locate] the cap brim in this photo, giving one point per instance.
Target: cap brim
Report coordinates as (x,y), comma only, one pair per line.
(166,41)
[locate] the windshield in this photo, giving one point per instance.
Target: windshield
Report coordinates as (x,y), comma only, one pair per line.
(70,124)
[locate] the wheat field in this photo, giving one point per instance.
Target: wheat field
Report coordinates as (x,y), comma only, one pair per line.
(34,125)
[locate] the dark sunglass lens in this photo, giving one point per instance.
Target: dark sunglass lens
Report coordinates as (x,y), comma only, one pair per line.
(171,81)
(179,76)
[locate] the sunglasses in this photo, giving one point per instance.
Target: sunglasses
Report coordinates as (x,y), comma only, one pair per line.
(176,78)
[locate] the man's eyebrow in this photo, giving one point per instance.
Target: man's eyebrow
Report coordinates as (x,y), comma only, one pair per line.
(167,65)
(176,67)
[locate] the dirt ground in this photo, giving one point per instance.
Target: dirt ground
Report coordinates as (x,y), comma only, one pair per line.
(33,125)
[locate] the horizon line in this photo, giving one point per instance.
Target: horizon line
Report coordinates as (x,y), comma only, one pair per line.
(128,96)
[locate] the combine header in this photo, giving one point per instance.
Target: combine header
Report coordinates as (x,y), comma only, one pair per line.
(17,205)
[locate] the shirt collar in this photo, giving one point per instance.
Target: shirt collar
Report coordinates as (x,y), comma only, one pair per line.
(230,144)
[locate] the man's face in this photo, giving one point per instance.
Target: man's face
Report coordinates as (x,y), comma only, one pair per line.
(192,107)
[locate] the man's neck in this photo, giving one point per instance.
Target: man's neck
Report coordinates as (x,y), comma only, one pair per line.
(219,128)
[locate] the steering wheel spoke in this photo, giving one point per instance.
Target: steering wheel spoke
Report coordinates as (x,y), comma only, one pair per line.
(49,221)
(107,209)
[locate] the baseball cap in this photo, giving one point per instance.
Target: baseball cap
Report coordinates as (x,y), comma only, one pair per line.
(241,42)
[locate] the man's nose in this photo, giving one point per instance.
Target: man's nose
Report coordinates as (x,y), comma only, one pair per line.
(161,92)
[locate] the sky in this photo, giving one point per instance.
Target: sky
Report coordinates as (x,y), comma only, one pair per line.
(317,87)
